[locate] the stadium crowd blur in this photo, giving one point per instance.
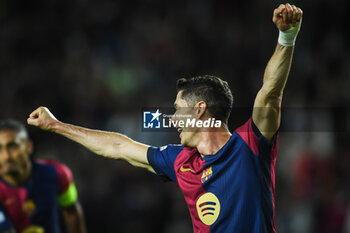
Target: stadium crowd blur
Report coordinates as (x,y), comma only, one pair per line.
(99,63)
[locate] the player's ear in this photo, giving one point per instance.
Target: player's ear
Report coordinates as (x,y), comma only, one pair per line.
(200,109)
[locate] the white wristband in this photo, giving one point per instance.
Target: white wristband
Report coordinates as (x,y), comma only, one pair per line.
(287,38)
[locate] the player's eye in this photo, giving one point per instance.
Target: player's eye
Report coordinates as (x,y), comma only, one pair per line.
(12,146)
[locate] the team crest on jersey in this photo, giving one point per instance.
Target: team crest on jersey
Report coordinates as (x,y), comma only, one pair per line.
(207,174)
(29,207)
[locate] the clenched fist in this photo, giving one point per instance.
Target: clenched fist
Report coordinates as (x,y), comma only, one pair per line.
(286,16)
(42,118)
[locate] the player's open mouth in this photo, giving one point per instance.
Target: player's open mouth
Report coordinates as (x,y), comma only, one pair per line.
(9,164)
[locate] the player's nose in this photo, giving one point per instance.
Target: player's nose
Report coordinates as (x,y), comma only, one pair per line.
(5,154)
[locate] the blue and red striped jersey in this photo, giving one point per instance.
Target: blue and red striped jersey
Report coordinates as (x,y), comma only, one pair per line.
(230,191)
(34,203)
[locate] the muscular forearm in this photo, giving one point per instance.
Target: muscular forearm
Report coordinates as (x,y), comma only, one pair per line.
(288,19)
(267,105)
(277,71)
(108,144)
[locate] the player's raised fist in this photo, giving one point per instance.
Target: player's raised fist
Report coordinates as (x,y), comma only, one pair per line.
(42,118)
(286,16)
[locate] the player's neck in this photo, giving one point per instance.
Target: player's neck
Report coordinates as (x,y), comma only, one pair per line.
(212,142)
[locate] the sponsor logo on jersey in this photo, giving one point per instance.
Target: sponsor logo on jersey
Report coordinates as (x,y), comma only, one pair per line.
(207,174)
(208,208)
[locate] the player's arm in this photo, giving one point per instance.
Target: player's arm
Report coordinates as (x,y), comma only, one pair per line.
(68,199)
(107,144)
(74,218)
(5,222)
(267,105)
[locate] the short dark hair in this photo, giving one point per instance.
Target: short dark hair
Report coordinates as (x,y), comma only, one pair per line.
(212,90)
(13,125)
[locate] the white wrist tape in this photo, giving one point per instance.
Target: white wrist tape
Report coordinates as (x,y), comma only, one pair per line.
(287,38)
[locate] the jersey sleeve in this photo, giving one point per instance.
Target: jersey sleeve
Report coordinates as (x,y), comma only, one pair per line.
(162,160)
(67,190)
(68,194)
(260,145)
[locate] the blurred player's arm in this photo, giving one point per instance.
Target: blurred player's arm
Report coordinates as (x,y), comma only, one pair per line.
(74,218)
(68,199)
(5,222)
(107,144)
(267,105)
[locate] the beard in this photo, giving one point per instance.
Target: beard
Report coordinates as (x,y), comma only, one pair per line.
(14,173)
(11,170)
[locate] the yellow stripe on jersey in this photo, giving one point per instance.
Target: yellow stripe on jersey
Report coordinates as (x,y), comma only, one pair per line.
(33,229)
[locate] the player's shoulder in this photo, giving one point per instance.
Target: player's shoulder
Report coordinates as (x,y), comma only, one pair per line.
(59,167)
(172,147)
(64,174)
(51,162)
(167,149)
(164,153)
(245,127)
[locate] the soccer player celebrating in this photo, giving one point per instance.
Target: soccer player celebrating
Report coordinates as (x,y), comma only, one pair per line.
(30,191)
(227,179)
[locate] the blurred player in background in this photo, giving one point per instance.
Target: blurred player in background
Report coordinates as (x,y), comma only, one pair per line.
(31,191)
(228,180)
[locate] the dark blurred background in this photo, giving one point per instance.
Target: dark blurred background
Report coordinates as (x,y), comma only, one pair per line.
(98,63)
